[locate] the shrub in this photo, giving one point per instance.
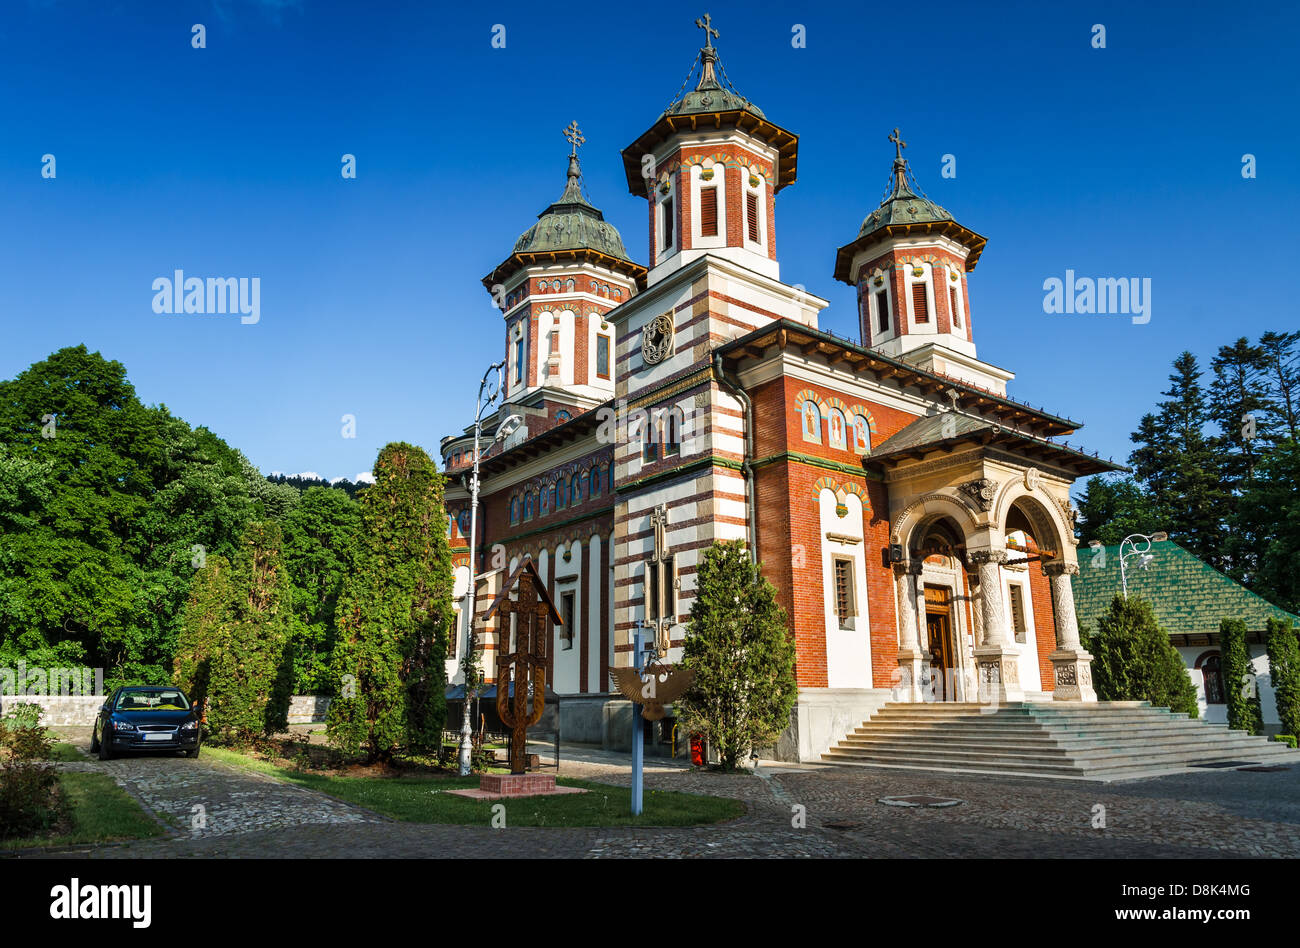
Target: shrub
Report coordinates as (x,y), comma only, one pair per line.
(1288,739)
(1241,692)
(29,798)
(24,715)
(740,647)
(1133,659)
(1284,669)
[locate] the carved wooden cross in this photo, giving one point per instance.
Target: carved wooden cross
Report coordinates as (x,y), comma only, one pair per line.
(899,145)
(710,33)
(525,665)
(574,136)
(658,575)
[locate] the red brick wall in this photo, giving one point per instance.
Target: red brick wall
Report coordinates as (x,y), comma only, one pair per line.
(1040,592)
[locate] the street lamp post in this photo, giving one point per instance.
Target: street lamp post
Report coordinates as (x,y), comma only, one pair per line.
(488,391)
(1144,557)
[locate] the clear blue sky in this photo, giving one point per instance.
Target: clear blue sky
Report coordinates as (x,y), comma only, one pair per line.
(1115,162)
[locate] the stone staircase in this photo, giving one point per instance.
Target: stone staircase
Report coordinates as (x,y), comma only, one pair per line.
(1112,740)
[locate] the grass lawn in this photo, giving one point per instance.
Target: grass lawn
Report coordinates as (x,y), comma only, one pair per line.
(64,751)
(421,800)
(101,812)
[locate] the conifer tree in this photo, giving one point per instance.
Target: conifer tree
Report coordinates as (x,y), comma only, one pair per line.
(1133,659)
(1180,468)
(233,654)
(739,644)
(394,615)
(1240,690)
(1284,672)
(1282,371)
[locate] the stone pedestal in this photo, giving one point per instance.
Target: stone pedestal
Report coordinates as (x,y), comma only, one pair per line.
(505,786)
(911,652)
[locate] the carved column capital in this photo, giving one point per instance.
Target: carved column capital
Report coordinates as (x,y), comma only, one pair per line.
(981,491)
(985,557)
(1061,569)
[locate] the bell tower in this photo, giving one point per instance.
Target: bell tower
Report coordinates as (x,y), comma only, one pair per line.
(909,264)
(710,169)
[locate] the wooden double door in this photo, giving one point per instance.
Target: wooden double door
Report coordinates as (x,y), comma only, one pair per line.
(944,664)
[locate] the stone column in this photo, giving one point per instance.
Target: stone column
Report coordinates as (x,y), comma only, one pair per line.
(996,659)
(910,652)
(1071,665)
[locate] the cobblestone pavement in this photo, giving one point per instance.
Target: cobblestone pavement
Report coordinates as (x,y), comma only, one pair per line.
(792,812)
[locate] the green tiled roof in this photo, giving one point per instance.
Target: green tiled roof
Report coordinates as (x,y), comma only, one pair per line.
(1189,597)
(903,206)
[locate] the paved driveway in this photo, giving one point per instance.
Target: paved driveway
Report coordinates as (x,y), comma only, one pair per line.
(792,812)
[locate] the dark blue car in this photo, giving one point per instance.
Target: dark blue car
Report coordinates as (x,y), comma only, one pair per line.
(147,719)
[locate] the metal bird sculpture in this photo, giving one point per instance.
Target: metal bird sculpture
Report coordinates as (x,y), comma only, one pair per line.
(660,687)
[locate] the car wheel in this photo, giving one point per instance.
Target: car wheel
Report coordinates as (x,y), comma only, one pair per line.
(192,754)
(94,741)
(105,752)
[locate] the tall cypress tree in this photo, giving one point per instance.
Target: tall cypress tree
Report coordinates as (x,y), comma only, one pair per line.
(1284,672)
(1241,693)
(233,651)
(394,616)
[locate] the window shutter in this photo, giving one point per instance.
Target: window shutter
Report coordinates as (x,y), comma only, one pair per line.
(956,310)
(919,308)
(668,224)
(882,310)
(709,212)
(651,591)
(751,214)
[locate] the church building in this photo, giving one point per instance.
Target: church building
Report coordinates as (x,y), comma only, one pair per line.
(914,519)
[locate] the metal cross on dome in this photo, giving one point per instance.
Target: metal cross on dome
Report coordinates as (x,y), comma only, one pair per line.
(710,33)
(899,145)
(574,136)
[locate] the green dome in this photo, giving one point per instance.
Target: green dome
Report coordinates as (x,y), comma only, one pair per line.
(709,95)
(571,223)
(903,206)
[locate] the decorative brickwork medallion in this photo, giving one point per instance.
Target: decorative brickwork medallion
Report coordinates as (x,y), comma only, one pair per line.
(657,339)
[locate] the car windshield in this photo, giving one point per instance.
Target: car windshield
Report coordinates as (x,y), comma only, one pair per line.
(170,700)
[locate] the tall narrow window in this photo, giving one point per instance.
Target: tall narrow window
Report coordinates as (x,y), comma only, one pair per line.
(882,310)
(708,212)
(1018,611)
(956,310)
(649,442)
(595,482)
(519,359)
(920,307)
(566,620)
(668,223)
(673,432)
(751,215)
(602,356)
(844,608)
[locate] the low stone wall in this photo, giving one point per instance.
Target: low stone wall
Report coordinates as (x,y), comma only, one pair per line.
(822,717)
(308,709)
(64,710)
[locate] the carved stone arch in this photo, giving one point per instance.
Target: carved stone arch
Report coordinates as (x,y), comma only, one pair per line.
(929,507)
(1044,513)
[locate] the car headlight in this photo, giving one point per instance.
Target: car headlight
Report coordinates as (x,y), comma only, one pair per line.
(122,725)
(190,726)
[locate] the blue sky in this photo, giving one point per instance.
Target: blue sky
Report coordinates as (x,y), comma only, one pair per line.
(1116,162)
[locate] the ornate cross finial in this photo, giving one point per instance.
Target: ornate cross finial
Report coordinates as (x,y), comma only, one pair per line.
(574,136)
(710,33)
(899,145)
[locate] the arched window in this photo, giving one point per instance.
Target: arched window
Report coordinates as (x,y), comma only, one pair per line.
(595,481)
(464,522)
(812,421)
(837,428)
(649,441)
(1211,666)
(861,434)
(673,432)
